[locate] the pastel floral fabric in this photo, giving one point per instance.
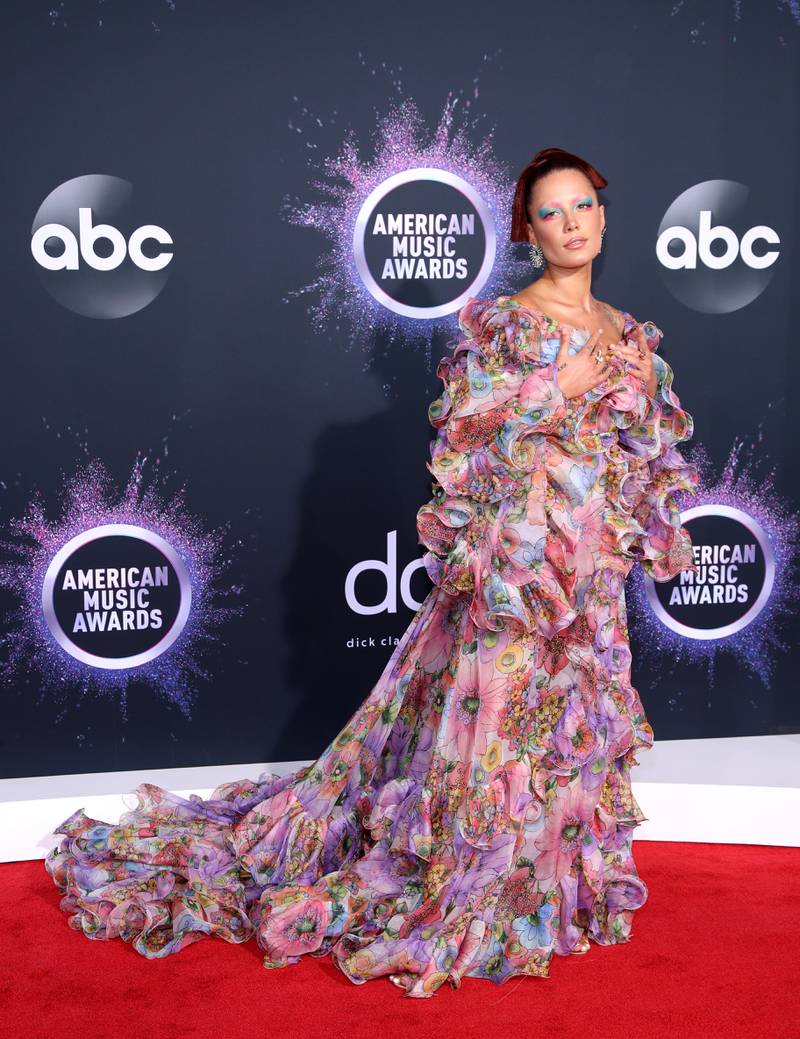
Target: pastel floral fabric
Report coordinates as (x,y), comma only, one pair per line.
(474,816)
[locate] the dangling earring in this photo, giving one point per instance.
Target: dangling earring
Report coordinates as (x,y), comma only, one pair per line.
(537,256)
(601,240)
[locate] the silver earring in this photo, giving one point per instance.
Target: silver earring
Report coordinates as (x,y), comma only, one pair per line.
(601,240)
(537,256)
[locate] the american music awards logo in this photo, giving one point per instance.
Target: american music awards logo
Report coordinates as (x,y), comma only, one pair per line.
(118,588)
(116,595)
(413,232)
(424,242)
(735,578)
(746,544)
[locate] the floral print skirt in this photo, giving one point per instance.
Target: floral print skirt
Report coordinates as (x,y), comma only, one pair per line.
(473,818)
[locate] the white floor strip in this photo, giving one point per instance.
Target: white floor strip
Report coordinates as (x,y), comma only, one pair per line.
(690,790)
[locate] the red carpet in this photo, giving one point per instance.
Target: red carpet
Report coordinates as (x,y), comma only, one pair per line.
(715,952)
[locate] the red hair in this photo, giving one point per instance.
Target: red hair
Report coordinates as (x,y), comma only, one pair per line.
(543,162)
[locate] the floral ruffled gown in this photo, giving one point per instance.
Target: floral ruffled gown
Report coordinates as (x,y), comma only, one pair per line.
(475,815)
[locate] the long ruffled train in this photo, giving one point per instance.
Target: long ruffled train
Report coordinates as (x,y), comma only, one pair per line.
(467,821)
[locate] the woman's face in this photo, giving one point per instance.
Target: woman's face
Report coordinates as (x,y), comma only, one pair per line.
(564,209)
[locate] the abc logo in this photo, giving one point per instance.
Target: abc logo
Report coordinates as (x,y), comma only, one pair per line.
(88,236)
(92,254)
(715,256)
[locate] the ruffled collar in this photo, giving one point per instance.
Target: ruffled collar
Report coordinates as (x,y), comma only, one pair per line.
(621,391)
(506,302)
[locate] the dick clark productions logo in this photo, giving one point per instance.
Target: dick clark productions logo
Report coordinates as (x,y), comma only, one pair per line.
(424,242)
(94,252)
(116,596)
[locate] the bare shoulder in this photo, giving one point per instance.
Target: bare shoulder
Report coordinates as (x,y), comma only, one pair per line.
(614,314)
(525,299)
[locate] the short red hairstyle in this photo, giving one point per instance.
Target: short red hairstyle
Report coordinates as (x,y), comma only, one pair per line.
(543,162)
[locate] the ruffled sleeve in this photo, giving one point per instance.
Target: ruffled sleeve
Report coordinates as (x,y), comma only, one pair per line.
(486,528)
(664,547)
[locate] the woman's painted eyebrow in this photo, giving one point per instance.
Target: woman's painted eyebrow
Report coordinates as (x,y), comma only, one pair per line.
(557,205)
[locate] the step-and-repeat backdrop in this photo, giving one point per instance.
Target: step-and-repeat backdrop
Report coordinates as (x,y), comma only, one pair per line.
(234,241)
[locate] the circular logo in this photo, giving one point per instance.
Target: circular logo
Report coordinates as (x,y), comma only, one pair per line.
(424,242)
(715,253)
(116,596)
(737,572)
(92,253)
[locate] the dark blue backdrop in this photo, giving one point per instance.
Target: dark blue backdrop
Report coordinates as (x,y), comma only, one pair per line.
(272,424)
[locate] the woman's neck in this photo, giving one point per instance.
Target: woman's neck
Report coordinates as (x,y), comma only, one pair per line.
(569,290)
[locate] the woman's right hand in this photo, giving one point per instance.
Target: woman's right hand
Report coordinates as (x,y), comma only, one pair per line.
(582,371)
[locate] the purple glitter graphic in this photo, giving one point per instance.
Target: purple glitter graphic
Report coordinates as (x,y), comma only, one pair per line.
(90,500)
(714,21)
(62,14)
(757,645)
(402,141)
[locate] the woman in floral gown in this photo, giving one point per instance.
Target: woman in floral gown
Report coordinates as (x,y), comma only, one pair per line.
(474,816)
